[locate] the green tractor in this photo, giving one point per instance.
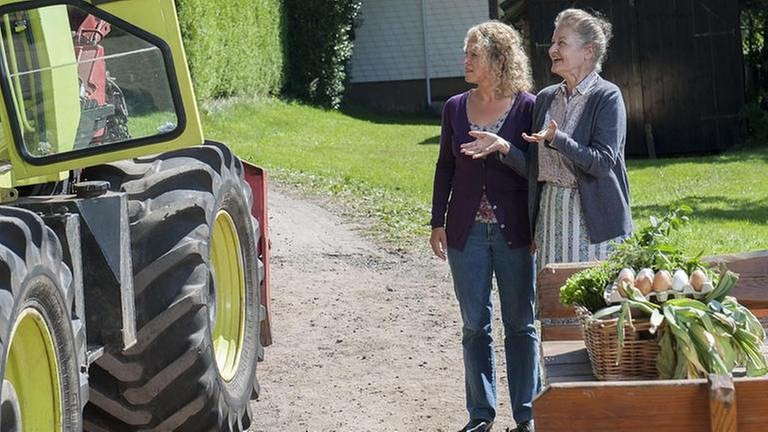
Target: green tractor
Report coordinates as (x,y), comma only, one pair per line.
(133,253)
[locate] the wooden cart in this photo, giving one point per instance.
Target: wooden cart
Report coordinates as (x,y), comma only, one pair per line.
(573,400)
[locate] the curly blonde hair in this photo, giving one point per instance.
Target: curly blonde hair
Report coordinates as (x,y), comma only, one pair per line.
(501,47)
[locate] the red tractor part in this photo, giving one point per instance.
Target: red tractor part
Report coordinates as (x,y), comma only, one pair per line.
(91,66)
(257,179)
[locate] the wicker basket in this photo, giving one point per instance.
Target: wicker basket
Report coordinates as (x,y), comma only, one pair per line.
(638,358)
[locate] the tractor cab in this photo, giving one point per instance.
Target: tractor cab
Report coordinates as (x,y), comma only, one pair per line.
(83,86)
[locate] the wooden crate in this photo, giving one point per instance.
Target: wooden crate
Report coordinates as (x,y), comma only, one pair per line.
(574,400)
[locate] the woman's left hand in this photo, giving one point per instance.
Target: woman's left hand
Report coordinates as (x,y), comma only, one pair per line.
(484,144)
(546,135)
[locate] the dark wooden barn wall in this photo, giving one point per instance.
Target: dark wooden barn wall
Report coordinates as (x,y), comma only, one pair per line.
(678,63)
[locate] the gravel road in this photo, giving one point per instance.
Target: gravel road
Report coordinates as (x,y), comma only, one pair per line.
(364,339)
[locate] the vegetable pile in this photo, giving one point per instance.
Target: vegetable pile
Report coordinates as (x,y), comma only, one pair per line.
(702,329)
(649,248)
(711,335)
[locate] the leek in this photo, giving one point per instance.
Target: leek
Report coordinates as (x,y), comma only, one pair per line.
(711,338)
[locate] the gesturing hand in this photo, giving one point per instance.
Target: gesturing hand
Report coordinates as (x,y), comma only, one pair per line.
(484,144)
(544,135)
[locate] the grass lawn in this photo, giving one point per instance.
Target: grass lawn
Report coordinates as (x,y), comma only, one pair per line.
(381,166)
(148,124)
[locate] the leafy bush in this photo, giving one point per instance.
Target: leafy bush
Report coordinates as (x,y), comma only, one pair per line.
(234,47)
(754,39)
(757,121)
(318,47)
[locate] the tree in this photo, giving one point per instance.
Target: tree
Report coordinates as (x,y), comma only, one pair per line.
(754,33)
(319,44)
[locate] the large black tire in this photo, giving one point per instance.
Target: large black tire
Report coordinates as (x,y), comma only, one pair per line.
(170,379)
(36,305)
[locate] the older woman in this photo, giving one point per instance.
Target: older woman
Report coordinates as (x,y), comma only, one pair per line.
(486,230)
(577,177)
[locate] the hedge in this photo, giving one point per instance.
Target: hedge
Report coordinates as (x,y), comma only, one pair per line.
(234,47)
(318,46)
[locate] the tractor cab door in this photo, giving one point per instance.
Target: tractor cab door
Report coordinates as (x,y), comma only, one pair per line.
(84,85)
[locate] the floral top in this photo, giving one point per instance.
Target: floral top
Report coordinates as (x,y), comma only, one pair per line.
(566,111)
(485,212)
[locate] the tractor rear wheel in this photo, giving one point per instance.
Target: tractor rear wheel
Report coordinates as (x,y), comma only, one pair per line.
(196,283)
(39,338)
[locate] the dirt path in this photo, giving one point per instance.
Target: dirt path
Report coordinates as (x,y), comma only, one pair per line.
(364,339)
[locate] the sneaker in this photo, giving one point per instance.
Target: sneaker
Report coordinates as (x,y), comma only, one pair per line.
(478,425)
(525,427)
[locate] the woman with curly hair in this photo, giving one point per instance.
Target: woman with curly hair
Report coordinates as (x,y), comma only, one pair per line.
(480,221)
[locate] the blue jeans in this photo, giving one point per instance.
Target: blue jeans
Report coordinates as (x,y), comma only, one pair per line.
(485,254)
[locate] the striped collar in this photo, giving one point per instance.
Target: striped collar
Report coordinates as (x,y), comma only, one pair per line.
(584,87)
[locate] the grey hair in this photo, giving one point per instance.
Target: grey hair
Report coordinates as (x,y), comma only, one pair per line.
(593,29)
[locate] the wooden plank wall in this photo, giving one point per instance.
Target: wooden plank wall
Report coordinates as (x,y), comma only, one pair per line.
(679,65)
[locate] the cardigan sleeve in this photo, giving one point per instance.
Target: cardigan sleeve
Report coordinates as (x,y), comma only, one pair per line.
(444,169)
(517,160)
(518,156)
(598,156)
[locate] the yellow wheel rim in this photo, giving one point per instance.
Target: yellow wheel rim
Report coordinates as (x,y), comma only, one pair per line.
(229,280)
(32,370)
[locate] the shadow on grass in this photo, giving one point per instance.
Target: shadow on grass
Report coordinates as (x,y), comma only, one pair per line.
(400,118)
(741,154)
(431,140)
(712,208)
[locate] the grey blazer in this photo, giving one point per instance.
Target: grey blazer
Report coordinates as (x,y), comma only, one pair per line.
(596,148)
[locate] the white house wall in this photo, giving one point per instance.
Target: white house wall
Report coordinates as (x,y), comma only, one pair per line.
(389,42)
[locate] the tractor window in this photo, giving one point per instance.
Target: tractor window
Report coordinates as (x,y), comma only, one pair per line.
(78,81)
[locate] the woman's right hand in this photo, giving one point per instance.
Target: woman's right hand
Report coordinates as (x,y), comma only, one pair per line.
(484,144)
(439,242)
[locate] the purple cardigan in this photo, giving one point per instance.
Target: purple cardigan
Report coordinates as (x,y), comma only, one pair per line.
(460,180)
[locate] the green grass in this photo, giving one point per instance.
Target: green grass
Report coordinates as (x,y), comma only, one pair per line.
(148,125)
(381,167)
(728,193)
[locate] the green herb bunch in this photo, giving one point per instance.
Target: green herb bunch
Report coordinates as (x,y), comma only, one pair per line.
(586,287)
(652,247)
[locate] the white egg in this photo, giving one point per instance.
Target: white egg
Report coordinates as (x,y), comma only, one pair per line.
(679,280)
